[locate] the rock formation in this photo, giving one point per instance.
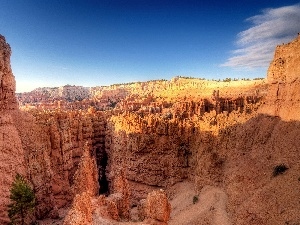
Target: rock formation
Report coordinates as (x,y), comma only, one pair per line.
(8,84)
(11,150)
(86,176)
(11,158)
(229,136)
(81,211)
(144,96)
(283,98)
(157,207)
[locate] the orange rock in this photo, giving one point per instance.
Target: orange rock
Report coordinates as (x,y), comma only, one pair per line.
(81,210)
(11,149)
(283,97)
(157,206)
(86,176)
(8,83)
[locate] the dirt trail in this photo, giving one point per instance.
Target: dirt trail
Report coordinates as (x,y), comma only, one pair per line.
(210,209)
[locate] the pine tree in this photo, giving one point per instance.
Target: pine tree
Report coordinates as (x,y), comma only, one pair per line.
(22,200)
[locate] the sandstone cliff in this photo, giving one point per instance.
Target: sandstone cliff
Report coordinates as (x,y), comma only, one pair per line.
(283,98)
(8,84)
(11,150)
(12,160)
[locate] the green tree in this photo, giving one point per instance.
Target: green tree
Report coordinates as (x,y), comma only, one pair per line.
(22,200)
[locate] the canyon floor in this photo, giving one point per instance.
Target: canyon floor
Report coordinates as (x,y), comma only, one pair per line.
(209,208)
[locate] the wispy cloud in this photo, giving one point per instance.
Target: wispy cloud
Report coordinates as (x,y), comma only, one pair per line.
(272,27)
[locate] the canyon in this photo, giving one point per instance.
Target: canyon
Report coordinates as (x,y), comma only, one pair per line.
(183,151)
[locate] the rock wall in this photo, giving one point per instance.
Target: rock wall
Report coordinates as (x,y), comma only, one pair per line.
(283,97)
(53,144)
(11,150)
(7,79)
(161,149)
(12,161)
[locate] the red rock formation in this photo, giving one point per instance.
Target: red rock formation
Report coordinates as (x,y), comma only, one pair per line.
(120,188)
(12,161)
(283,76)
(53,145)
(86,176)
(157,208)
(81,211)
(67,135)
(8,84)
(11,150)
(160,137)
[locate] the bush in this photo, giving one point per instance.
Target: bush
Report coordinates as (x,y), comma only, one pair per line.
(279,169)
(195,199)
(227,80)
(22,200)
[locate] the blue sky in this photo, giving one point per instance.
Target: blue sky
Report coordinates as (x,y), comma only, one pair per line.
(94,43)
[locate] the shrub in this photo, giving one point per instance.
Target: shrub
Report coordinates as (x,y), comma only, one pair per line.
(195,199)
(227,80)
(279,169)
(22,200)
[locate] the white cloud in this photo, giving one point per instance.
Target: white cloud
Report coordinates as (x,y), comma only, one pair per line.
(256,45)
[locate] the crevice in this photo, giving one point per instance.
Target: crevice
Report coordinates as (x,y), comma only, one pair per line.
(102,179)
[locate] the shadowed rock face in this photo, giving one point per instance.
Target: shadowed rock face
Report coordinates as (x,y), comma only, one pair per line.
(7,79)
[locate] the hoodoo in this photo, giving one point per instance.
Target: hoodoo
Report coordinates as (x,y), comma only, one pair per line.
(8,84)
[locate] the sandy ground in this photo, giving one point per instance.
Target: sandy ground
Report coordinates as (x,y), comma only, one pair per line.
(210,209)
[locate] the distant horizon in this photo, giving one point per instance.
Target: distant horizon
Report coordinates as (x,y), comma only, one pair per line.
(133,82)
(104,42)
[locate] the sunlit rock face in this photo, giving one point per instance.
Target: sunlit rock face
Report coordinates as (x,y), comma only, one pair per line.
(283,97)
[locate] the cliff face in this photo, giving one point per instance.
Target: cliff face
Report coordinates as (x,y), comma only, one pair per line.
(11,158)
(11,150)
(54,143)
(7,79)
(283,77)
(159,149)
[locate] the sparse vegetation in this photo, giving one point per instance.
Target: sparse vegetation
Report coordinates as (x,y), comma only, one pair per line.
(186,77)
(112,104)
(195,199)
(279,169)
(137,82)
(227,79)
(22,201)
